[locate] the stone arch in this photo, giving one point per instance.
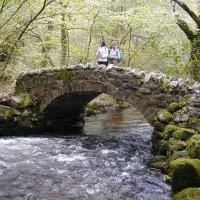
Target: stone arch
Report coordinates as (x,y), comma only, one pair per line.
(78,94)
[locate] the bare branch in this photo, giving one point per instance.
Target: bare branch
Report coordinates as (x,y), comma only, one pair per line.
(185,28)
(90,35)
(190,12)
(182,24)
(13,14)
(3,6)
(45,4)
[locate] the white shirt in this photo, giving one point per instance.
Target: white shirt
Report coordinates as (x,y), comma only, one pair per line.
(103,52)
(114,53)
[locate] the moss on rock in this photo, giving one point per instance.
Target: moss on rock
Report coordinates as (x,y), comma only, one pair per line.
(25,124)
(188,194)
(194,122)
(24,101)
(6,113)
(158,135)
(194,146)
(158,162)
(159,126)
(181,116)
(163,147)
(122,104)
(94,105)
(184,173)
(68,75)
(175,145)
(169,129)
(178,154)
(164,116)
(173,107)
(183,134)
(89,112)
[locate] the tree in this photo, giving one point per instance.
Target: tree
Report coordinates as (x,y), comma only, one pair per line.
(192,35)
(68,32)
(13,28)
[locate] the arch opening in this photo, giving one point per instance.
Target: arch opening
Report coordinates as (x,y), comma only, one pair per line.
(66,112)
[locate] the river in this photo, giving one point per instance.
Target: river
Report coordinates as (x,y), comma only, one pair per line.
(107,162)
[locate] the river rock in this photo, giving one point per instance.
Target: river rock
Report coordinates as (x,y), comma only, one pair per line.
(184,173)
(188,194)
(183,134)
(165,116)
(194,146)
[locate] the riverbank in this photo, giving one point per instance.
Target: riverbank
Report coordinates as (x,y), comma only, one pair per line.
(176,145)
(104,102)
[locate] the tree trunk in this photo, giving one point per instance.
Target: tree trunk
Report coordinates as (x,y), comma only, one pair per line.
(64,31)
(195,59)
(193,36)
(129,47)
(90,37)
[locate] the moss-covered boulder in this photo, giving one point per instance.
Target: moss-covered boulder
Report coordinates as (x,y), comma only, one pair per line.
(6,113)
(27,101)
(159,126)
(159,162)
(181,116)
(89,112)
(169,130)
(173,107)
(94,105)
(178,154)
(194,122)
(175,145)
(25,124)
(158,135)
(18,102)
(183,134)
(194,146)
(163,147)
(164,116)
(188,194)
(184,173)
(122,104)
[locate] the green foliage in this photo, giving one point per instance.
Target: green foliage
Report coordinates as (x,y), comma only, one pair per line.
(148,40)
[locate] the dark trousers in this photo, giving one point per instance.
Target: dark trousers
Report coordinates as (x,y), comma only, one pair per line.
(103,63)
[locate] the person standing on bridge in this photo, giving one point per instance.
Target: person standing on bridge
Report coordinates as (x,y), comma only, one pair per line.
(102,53)
(114,53)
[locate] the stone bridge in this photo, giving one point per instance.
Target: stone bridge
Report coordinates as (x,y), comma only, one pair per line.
(60,95)
(54,100)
